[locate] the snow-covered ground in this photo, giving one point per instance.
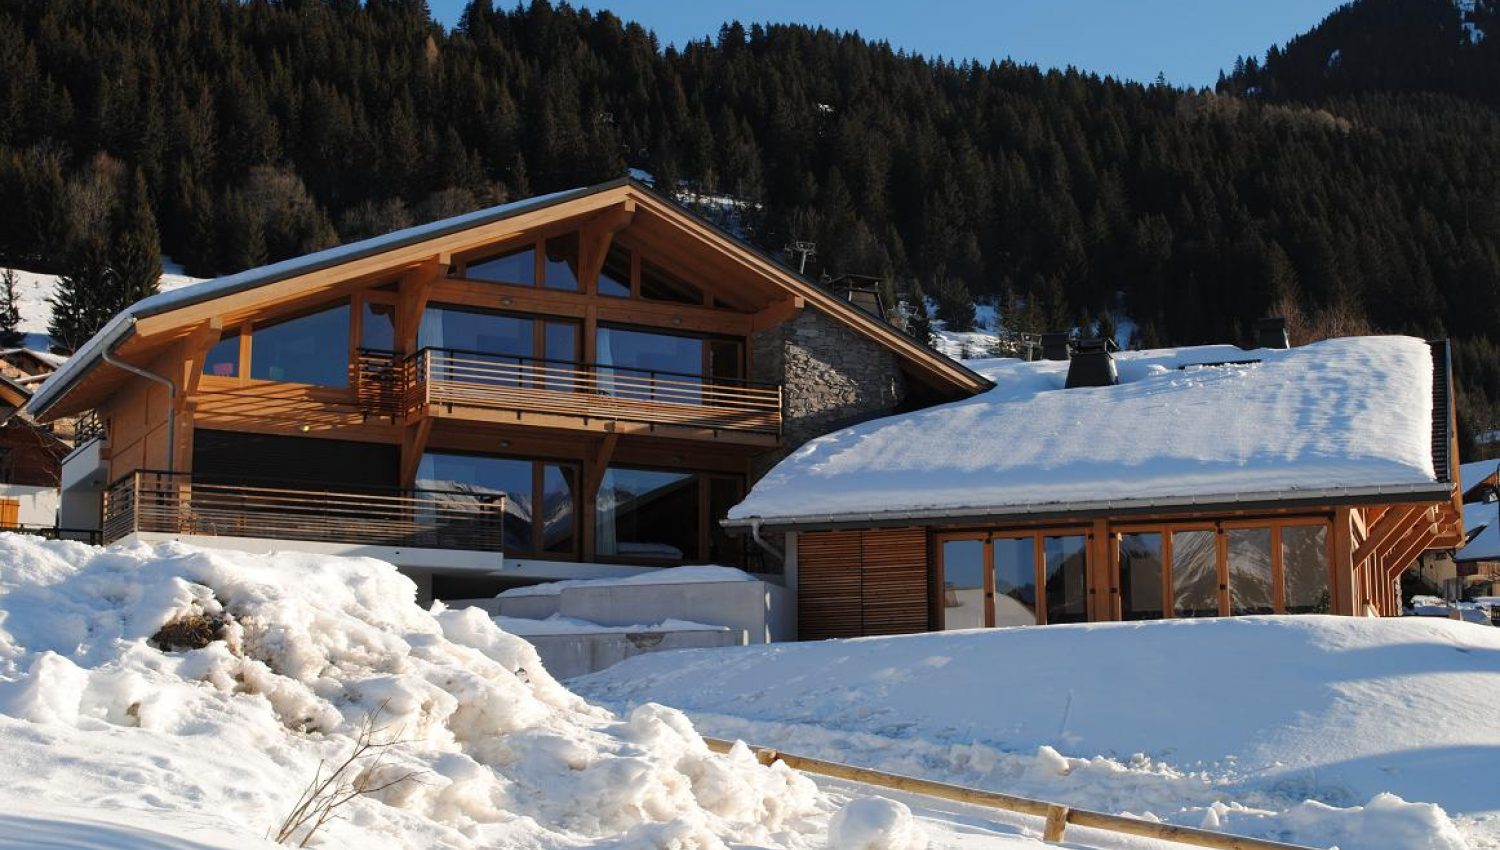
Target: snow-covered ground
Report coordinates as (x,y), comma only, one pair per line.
(110,739)
(1360,733)
(34,294)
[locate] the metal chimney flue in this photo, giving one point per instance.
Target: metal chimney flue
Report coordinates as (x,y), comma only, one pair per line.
(1271,333)
(1092,365)
(1055,346)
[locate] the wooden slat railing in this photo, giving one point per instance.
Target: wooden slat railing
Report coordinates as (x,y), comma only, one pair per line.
(175,503)
(388,385)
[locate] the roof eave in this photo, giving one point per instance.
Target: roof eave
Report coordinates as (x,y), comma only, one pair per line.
(1261,501)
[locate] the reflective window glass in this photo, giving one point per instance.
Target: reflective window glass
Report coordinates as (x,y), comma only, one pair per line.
(1249,559)
(310,349)
(1195,574)
(647,514)
(1015,581)
(1067,574)
(1304,559)
(614,278)
(963,584)
(517,267)
(559,495)
(377,326)
(1140,576)
(658,284)
(562,263)
(724,548)
(486,476)
(223,360)
(650,366)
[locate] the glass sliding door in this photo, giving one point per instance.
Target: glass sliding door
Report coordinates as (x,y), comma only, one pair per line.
(650,366)
(1248,556)
(647,514)
(1304,565)
(1141,574)
(1067,579)
(1015,581)
(1195,573)
(527,484)
(963,593)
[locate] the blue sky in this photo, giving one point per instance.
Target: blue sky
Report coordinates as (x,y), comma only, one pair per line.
(1188,40)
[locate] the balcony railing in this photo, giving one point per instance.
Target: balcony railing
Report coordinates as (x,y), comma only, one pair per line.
(175,503)
(390,385)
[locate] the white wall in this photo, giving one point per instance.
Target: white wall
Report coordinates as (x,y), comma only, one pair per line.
(38,504)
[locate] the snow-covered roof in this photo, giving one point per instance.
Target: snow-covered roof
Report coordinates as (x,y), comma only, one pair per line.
(91,353)
(1345,418)
(1482,530)
(1471,475)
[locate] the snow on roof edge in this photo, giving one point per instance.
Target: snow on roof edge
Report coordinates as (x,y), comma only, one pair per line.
(117,328)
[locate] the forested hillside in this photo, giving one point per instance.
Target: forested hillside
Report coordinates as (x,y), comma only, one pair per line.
(261,129)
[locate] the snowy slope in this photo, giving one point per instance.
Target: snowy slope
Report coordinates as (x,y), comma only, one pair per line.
(1297,728)
(1340,413)
(34,293)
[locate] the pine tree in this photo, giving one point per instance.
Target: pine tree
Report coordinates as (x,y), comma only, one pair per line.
(135,249)
(10,312)
(79,306)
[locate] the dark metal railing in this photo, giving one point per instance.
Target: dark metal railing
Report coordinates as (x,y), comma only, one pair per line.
(388,384)
(177,503)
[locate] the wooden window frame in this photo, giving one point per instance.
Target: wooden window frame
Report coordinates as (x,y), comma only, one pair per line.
(1038,565)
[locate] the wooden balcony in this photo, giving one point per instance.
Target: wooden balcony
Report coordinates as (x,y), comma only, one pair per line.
(175,503)
(504,388)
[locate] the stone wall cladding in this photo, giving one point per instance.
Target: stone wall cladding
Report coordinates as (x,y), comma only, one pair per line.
(832,377)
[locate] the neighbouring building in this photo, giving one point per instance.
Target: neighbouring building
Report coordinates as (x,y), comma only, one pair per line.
(570,386)
(30,464)
(1189,482)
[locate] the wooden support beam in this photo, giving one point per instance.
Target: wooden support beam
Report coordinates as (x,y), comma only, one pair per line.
(1406,550)
(595,236)
(598,464)
(195,350)
(1391,524)
(1345,581)
(780,311)
(415,290)
(413,445)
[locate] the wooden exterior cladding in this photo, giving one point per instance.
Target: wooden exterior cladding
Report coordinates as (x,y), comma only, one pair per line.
(848,580)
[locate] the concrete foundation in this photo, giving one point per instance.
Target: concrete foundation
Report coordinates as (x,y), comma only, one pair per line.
(568,655)
(763,611)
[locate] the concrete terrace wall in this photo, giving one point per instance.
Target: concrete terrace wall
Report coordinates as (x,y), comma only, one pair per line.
(833,377)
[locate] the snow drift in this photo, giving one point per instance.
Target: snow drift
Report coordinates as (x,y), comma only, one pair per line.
(99,719)
(1360,733)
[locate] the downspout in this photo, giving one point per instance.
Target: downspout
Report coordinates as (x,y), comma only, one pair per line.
(763,543)
(171,402)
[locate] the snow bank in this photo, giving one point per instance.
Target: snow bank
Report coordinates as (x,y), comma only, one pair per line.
(1375,734)
(216,742)
(1352,412)
(670,575)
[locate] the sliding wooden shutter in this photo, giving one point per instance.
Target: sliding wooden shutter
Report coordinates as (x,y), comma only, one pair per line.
(853,583)
(10,513)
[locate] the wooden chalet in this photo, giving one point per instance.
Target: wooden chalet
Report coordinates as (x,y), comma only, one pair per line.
(1147,485)
(585,382)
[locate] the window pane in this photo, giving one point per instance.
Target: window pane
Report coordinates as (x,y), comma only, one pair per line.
(562,263)
(1195,574)
(312,349)
(1015,581)
(647,514)
(614,278)
(1140,576)
(486,476)
(1067,571)
(659,285)
(558,508)
(1249,554)
(1304,558)
(516,267)
(223,359)
(650,366)
(963,584)
(477,331)
(561,351)
(723,547)
(725,362)
(377,327)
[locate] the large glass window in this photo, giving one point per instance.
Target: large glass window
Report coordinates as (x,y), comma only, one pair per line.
(562,263)
(1141,576)
(647,514)
(614,278)
(519,479)
(517,267)
(310,349)
(1249,558)
(658,284)
(1195,574)
(477,331)
(963,584)
(650,366)
(1067,577)
(223,360)
(723,547)
(1304,558)
(377,326)
(1015,581)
